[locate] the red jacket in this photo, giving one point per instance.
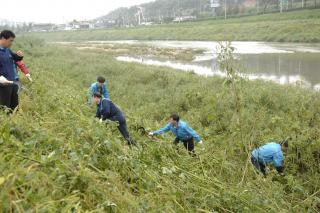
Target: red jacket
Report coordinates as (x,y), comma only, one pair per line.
(21,65)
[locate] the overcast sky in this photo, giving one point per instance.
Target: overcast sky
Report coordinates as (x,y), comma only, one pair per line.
(58,11)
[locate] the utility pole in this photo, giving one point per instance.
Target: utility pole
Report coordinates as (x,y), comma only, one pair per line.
(179,12)
(225,9)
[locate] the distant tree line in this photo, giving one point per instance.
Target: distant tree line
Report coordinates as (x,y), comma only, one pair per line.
(164,11)
(25,27)
(161,11)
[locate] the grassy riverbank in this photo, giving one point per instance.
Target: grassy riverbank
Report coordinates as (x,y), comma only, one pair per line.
(298,26)
(56,158)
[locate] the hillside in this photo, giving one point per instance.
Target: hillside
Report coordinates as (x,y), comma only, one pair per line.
(56,158)
(161,11)
(167,10)
(299,26)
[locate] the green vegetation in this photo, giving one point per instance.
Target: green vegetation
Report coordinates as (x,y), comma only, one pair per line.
(301,26)
(56,158)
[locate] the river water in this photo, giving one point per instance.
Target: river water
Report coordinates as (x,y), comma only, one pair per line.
(284,63)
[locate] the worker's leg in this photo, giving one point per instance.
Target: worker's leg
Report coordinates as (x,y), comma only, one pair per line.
(263,168)
(176,142)
(124,130)
(5,96)
(14,97)
(259,165)
(189,145)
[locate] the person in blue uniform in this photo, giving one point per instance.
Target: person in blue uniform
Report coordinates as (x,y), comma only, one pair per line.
(182,132)
(106,109)
(270,153)
(9,98)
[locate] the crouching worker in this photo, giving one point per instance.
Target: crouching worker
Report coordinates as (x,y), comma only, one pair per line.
(269,153)
(182,132)
(106,109)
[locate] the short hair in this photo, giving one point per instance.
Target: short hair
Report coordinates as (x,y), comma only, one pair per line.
(97,95)
(6,34)
(101,79)
(175,117)
(285,143)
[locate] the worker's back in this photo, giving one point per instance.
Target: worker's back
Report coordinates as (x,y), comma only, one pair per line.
(268,153)
(108,109)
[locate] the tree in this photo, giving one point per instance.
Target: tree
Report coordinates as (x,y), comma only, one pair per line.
(266,4)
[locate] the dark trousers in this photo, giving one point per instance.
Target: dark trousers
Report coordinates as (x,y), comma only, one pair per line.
(188,144)
(123,128)
(9,96)
(260,166)
(18,83)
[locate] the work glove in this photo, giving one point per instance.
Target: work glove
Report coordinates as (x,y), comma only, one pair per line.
(29,77)
(3,80)
(202,145)
(282,174)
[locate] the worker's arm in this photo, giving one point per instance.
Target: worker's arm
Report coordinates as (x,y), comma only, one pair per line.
(278,162)
(162,130)
(21,65)
(193,134)
(105,109)
(98,113)
(280,170)
(105,92)
(16,57)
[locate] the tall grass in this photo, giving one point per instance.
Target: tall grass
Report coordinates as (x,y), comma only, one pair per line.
(56,158)
(298,26)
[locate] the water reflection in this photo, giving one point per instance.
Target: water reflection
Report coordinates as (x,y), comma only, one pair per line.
(283,63)
(213,71)
(306,65)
